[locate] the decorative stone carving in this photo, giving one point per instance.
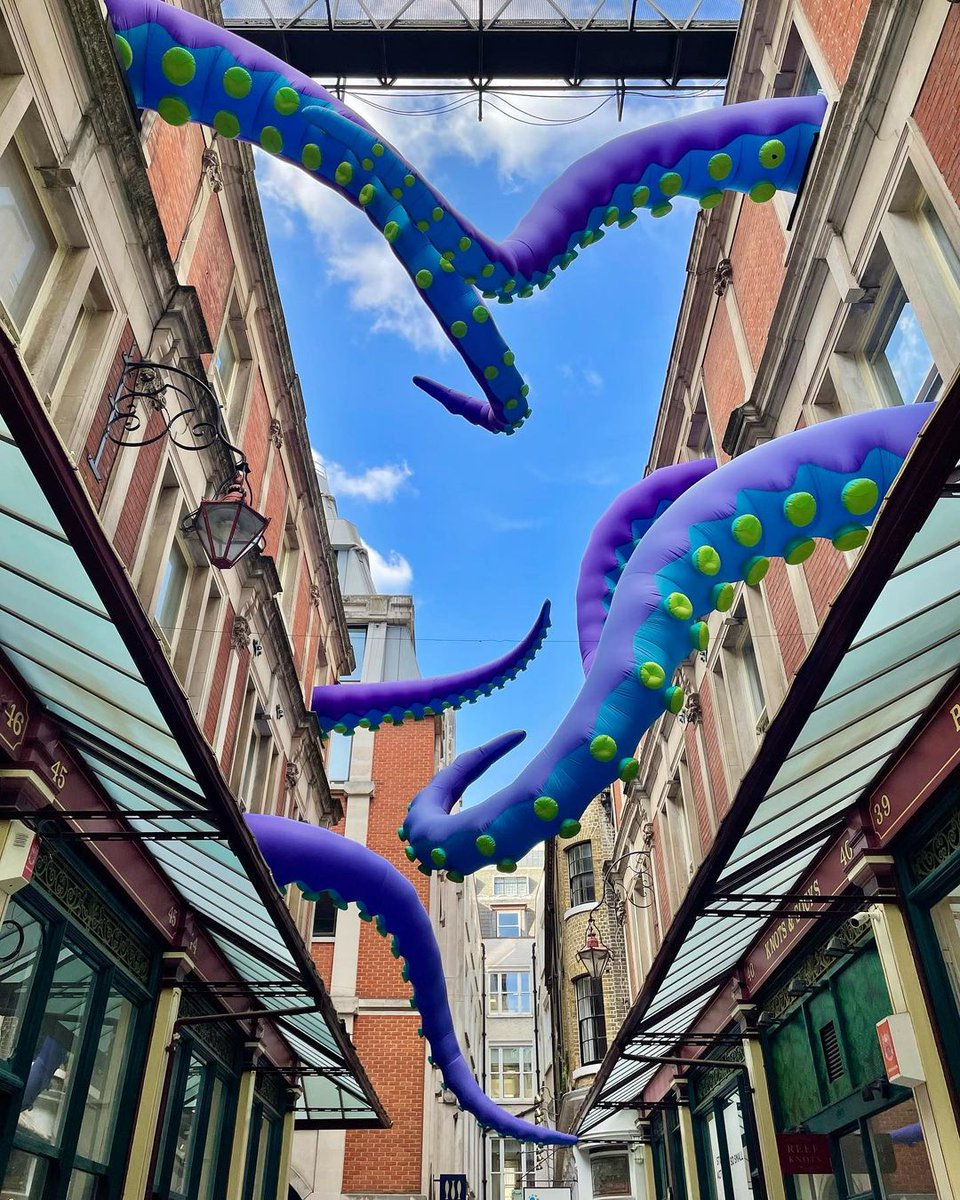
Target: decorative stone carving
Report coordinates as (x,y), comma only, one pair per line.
(691,713)
(276,433)
(242,635)
(212,170)
(315,595)
(293,775)
(722,277)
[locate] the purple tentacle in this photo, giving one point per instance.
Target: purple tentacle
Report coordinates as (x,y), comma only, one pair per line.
(614,539)
(322,861)
(345,706)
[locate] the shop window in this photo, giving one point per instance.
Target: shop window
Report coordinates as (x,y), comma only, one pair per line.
(28,245)
(324,917)
(511,1072)
(512,1167)
(591,1019)
(509,923)
(580,868)
(263,1156)
(508,993)
(511,885)
(71,1028)
(610,1175)
(358,643)
(195,1150)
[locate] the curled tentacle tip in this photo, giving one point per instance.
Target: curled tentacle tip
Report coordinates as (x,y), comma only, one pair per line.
(477,412)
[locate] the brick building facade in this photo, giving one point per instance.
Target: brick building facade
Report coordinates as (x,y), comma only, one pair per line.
(124,240)
(796,312)
(374,775)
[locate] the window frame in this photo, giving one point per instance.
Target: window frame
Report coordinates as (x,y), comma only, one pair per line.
(502,995)
(582,881)
(509,912)
(524,1071)
(594,1039)
(109,978)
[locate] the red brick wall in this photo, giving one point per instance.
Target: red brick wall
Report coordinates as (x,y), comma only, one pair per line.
(711,742)
(233,720)
(388,1161)
(786,619)
(211,269)
(756,259)
(836,25)
(322,955)
(722,376)
(174,171)
(256,439)
(939,103)
(275,507)
(701,802)
(97,488)
(137,499)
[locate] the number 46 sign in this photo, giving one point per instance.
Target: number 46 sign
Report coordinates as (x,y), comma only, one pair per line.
(14,716)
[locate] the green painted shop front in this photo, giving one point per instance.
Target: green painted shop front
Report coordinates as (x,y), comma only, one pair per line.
(78,981)
(827,1075)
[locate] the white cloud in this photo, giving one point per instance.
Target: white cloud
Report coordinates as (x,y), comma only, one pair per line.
(378,485)
(518,150)
(588,376)
(391,572)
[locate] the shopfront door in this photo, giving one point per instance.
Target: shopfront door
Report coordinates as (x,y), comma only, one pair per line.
(882,1157)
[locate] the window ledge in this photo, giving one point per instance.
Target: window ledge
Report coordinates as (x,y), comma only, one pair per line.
(579,908)
(584,1072)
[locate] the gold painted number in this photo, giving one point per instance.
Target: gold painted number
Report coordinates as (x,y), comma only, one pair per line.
(16,719)
(58,773)
(881,810)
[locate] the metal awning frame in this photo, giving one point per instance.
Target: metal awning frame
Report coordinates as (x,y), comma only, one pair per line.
(924,479)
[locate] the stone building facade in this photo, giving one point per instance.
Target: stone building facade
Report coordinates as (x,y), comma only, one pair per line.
(374,775)
(126,241)
(796,312)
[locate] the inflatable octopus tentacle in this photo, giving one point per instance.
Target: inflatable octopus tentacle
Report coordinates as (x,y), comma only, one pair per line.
(189,69)
(615,537)
(343,707)
(319,860)
(825,481)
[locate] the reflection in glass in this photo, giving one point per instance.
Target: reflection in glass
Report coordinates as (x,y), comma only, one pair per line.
(187,1127)
(25,1176)
(854,1159)
(21,939)
(900,1153)
(82,1186)
(27,244)
(51,1073)
(106,1084)
(737,1149)
(212,1142)
(260,1167)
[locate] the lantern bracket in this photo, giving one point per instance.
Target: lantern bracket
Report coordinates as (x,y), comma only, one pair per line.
(153,401)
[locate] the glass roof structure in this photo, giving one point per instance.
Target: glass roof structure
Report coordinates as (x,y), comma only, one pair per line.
(672,41)
(894,635)
(61,636)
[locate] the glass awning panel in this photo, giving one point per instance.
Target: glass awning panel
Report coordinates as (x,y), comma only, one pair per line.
(58,634)
(904,653)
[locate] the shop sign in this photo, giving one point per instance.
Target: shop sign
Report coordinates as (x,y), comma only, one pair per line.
(453,1187)
(919,772)
(828,879)
(901,1055)
(14,715)
(804,1154)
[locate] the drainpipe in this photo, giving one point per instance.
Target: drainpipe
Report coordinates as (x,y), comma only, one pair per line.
(536,1020)
(483,1060)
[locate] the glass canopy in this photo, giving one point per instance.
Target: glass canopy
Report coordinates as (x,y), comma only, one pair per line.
(903,654)
(57,632)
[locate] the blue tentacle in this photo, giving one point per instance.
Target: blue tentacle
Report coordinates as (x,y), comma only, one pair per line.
(825,482)
(189,69)
(319,860)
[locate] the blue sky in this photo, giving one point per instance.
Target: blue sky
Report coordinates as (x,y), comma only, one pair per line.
(480,528)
